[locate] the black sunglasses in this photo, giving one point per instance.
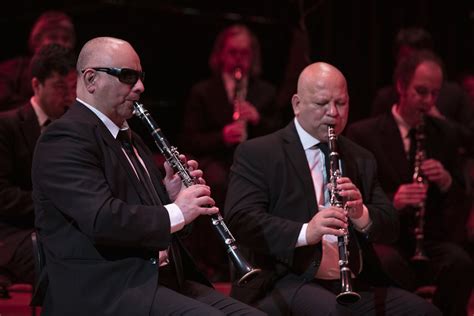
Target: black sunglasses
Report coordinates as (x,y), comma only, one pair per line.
(125,75)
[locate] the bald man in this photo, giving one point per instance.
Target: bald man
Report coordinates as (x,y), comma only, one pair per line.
(106,217)
(278,207)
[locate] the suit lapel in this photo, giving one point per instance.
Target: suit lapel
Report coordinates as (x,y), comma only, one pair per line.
(297,158)
(395,152)
(104,134)
(117,149)
(153,171)
(29,126)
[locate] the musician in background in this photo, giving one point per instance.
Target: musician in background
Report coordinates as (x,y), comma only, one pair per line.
(222,111)
(389,137)
(106,217)
(277,206)
(53,80)
(15,80)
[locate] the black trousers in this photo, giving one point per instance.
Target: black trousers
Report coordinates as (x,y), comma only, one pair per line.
(193,298)
(450,268)
(313,298)
(21,268)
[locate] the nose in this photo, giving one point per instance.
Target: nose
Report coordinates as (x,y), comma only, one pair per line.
(332,109)
(139,86)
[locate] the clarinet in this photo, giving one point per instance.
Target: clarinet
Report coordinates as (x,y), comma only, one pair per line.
(238,97)
(244,270)
(347,295)
(418,177)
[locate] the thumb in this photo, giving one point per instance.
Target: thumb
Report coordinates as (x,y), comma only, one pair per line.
(168,170)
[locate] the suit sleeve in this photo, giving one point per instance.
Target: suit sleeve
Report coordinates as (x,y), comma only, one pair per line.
(71,176)
(249,210)
(385,221)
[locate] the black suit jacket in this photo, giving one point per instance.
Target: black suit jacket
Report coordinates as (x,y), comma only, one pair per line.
(19,131)
(208,110)
(271,195)
(99,229)
(381,136)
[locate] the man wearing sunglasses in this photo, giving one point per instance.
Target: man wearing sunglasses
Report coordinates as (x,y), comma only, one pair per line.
(105,215)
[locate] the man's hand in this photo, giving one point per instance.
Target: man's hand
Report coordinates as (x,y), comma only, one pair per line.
(410,194)
(248,112)
(435,172)
(327,221)
(234,133)
(351,194)
(172,180)
(194,201)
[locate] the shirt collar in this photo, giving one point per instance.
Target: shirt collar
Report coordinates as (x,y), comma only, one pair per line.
(113,129)
(403,127)
(42,117)
(306,139)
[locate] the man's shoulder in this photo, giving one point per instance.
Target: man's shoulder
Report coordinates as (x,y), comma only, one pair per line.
(77,121)
(354,148)
(366,125)
(17,114)
(442,127)
(262,144)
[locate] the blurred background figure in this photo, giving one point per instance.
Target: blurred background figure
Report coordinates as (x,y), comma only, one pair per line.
(15,80)
(452,102)
(234,104)
(54,89)
(467,83)
(420,171)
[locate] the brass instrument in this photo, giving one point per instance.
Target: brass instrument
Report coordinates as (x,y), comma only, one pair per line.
(244,270)
(347,295)
(418,177)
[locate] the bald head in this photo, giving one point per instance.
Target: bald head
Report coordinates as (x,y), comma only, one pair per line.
(321,100)
(316,75)
(100,51)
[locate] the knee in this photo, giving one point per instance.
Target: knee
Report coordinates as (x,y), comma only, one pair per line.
(460,263)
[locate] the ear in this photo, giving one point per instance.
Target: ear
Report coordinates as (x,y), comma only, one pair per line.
(400,87)
(35,84)
(295,102)
(89,78)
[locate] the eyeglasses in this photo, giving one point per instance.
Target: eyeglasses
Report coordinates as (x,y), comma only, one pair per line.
(125,75)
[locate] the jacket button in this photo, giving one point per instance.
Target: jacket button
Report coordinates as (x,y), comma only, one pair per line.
(153,260)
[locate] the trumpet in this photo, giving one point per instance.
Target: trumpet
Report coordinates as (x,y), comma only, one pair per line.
(244,270)
(418,177)
(347,295)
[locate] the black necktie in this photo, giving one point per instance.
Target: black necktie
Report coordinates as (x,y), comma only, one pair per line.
(125,138)
(45,124)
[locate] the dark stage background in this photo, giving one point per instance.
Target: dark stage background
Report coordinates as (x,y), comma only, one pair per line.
(174,38)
